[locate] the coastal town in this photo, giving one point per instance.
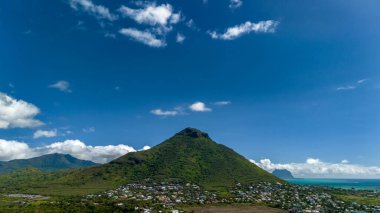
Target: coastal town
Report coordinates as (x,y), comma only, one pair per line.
(176,196)
(173,196)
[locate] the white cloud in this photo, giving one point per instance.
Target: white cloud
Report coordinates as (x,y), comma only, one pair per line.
(152,14)
(144,37)
(180,38)
(161,112)
(17,113)
(10,150)
(160,20)
(222,103)
(235,4)
(313,161)
(199,107)
(45,133)
(63,86)
(145,148)
(98,11)
(13,150)
(315,168)
(246,28)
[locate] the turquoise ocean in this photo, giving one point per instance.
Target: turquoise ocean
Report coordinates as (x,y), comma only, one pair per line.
(358,184)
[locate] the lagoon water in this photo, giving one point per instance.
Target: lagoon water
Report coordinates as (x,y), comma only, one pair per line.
(359,184)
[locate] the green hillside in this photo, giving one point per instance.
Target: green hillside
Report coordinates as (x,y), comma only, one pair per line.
(190,156)
(50,162)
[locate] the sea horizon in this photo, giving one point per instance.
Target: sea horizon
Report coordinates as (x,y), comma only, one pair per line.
(341,183)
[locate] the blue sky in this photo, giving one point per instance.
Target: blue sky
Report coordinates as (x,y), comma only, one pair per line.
(286,81)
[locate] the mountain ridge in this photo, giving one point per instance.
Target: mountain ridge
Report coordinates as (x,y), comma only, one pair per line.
(47,163)
(283,174)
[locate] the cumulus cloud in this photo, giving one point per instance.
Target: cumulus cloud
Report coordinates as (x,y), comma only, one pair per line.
(13,150)
(235,4)
(10,150)
(45,133)
(180,38)
(199,107)
(161,112)
(144,37)
(159,20)
(316,168)
(17,113)
(63,86)
(145,148)
(152,14)
(246,28)
(98,11)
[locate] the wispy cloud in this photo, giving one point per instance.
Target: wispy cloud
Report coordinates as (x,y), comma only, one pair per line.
(45,133)
(88,130)
(191,24)
(17,113)
(98,11)
(235,4)
(235,32)
(144,37)
(159,20)
(160,112)
(316,168)
(199,107)
(346,88)
(63,86)
(353,86)
(180,38)
(151,14)
(222,103)
(10,150)
(362,81)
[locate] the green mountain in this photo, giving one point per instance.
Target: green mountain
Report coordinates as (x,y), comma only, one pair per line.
(46,163)
(189,156)
(283,174)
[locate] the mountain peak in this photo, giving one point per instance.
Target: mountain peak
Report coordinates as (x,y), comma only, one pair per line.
(193,133)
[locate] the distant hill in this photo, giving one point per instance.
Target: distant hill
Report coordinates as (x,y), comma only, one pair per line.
(189,156)
(283,174)
(46,163)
